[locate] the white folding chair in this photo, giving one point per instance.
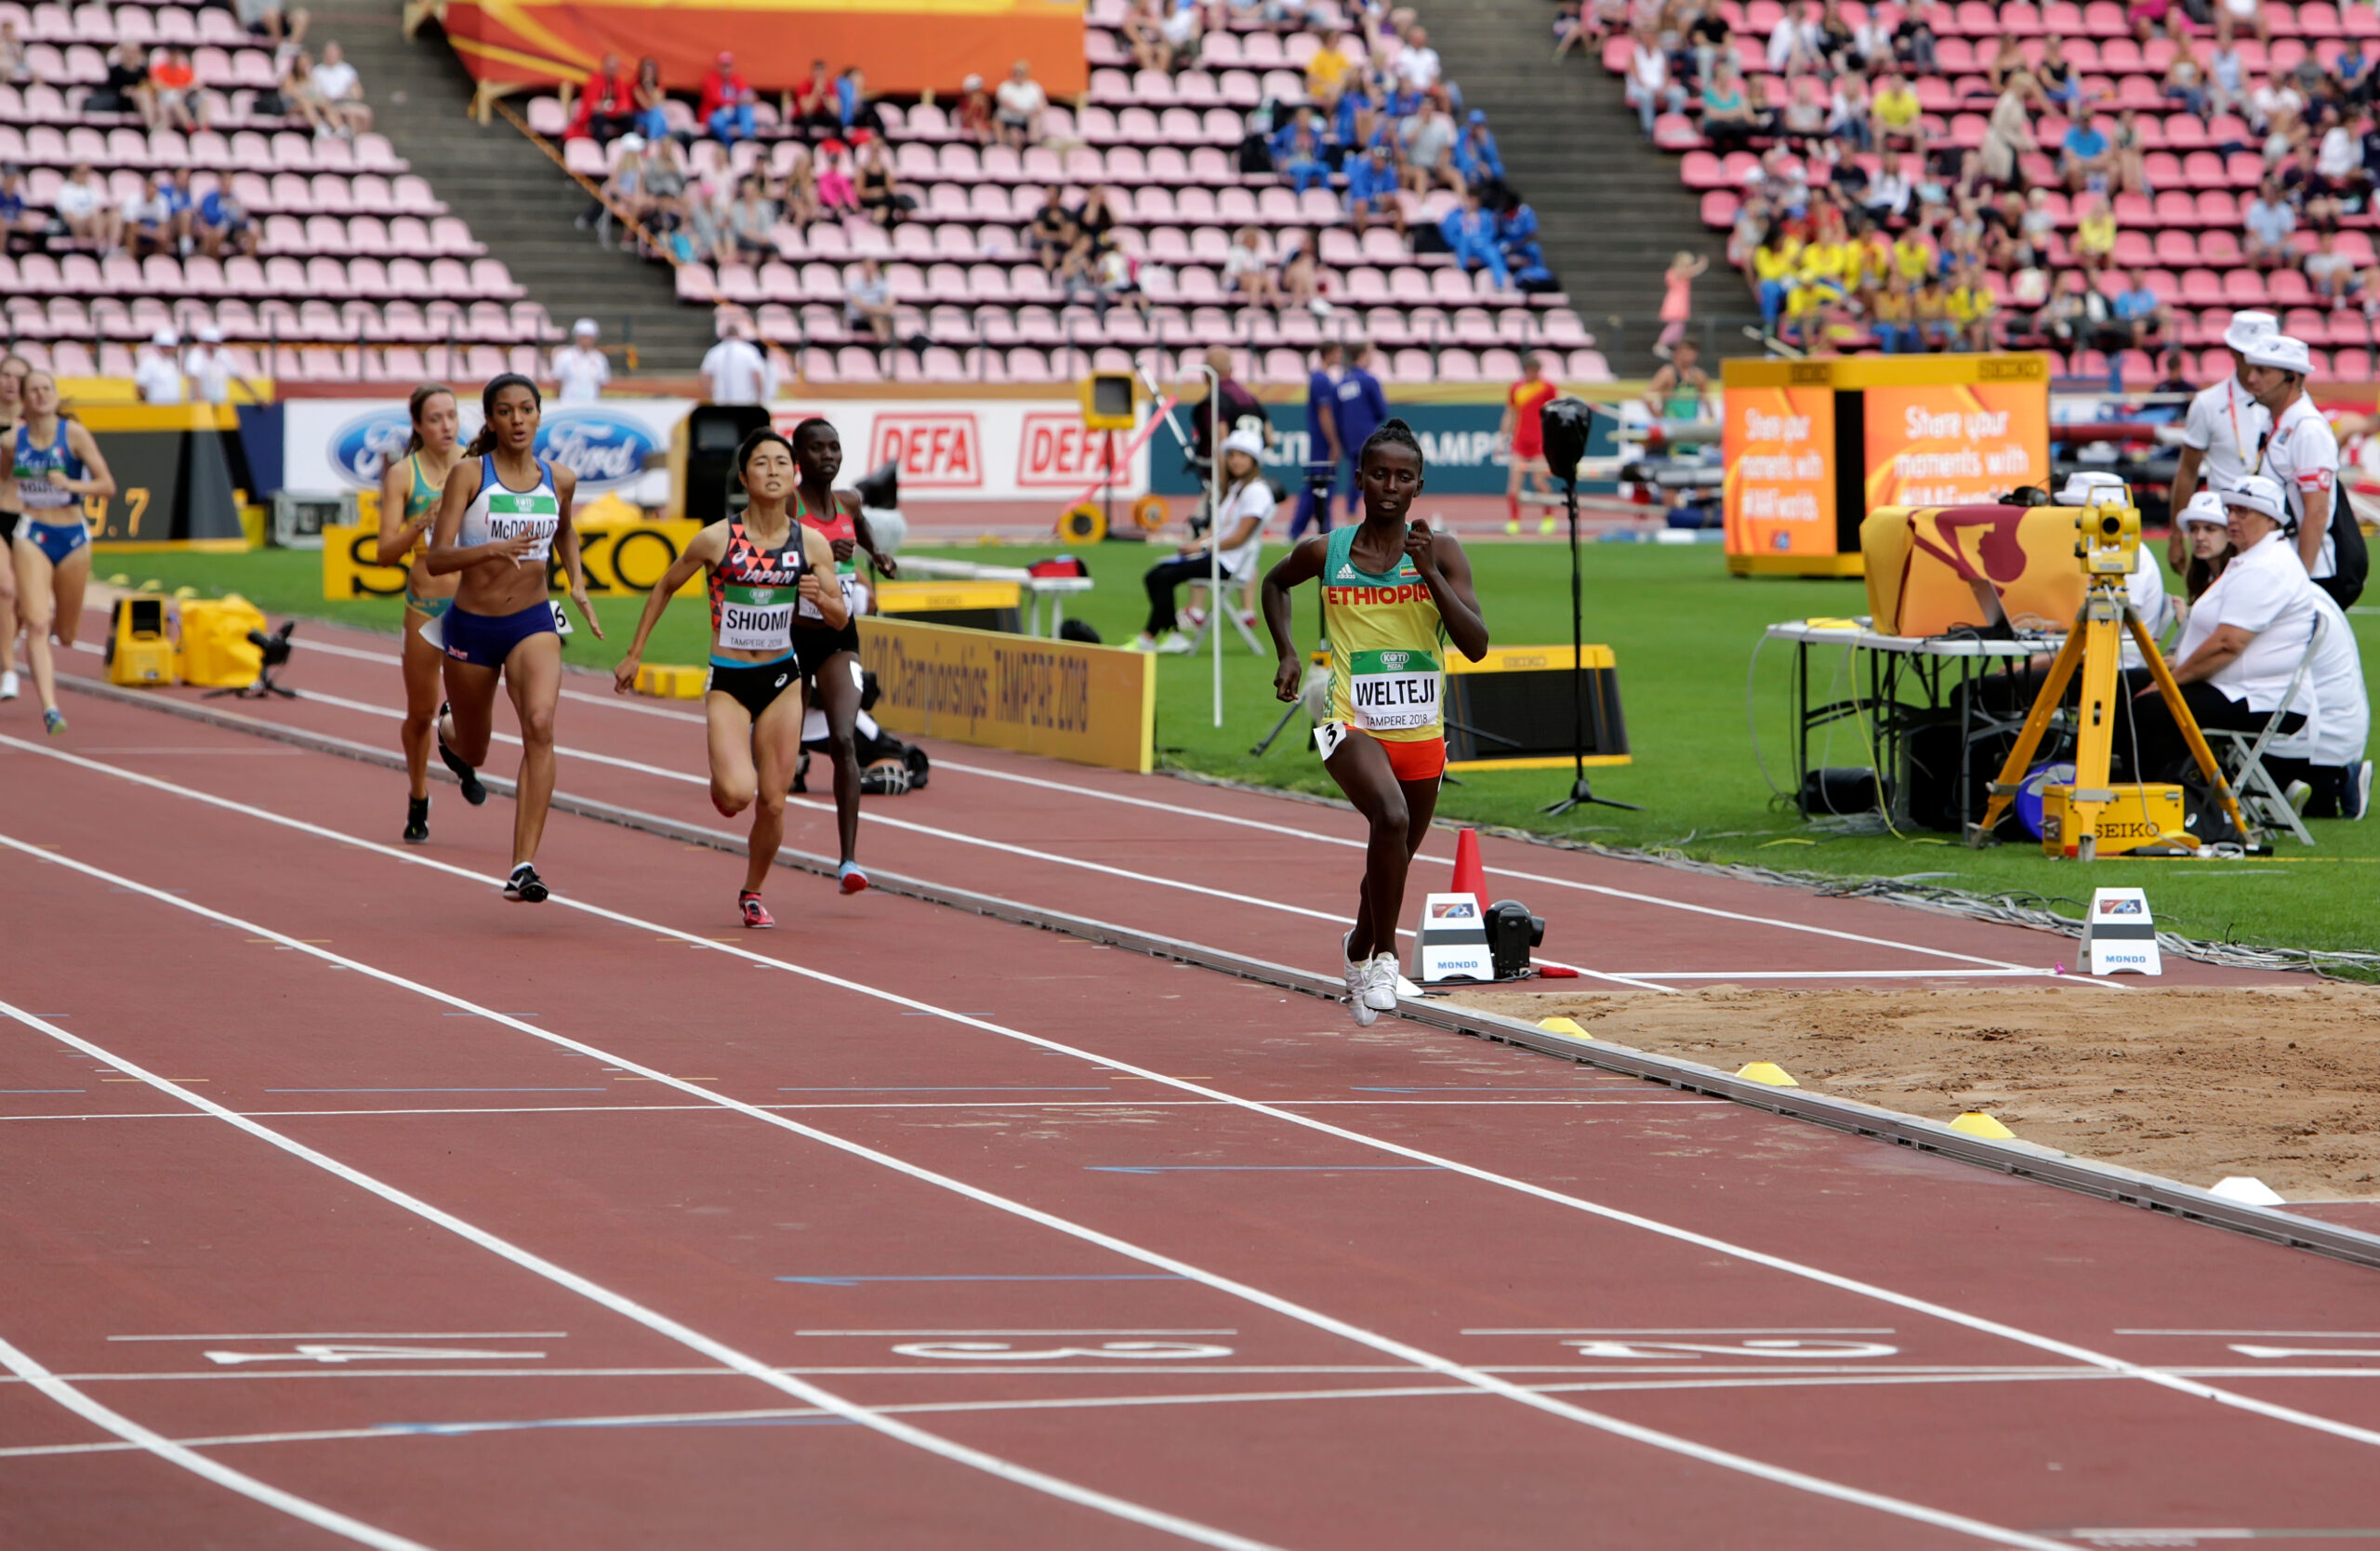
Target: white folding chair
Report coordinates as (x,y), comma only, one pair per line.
(2261,799)
(1227,605)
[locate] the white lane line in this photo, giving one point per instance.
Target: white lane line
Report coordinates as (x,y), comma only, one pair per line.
(1578,1204)
(988,1104)
(1330,1324)
(959,837)
(1838,974)
(138,1436)
(364,1335)
(685,1335)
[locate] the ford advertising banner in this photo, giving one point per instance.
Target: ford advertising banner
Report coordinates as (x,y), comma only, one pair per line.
(331,445)
(948,449)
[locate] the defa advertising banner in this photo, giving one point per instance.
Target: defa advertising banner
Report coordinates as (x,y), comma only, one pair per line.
(338,444)
(1955,444)
(977,449)
(1779,444)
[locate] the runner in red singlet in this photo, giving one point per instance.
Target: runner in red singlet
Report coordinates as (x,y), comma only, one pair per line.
(1523,438)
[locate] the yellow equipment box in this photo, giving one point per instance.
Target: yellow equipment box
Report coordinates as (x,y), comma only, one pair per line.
(672,681)
(216,651)
(140,647)
(980,606)
(2139,816)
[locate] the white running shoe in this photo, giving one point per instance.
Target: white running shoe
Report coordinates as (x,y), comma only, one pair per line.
(2298,794)
(9,687)
(1379,992)
(2362,789)
(1175,644)
(1359,984)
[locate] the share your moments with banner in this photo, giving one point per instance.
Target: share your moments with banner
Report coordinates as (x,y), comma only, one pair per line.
(1094,705)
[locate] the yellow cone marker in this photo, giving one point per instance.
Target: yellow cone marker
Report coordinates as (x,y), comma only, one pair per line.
(1974,1122)
(1565,1025)
(1769,1072)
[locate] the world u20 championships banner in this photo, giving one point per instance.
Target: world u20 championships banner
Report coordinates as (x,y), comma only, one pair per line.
(904,47)
(1094,705)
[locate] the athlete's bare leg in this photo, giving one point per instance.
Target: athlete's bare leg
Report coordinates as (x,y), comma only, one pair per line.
(775,748)
(423,688)
(1399,814)
(533,676)
(74,574)
(35,601)
(470,721)
(838,697)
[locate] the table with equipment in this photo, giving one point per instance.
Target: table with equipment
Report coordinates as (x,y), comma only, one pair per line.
(1911,682)
(1036,589)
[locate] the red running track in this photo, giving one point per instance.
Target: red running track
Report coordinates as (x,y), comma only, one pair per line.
(1146,1255)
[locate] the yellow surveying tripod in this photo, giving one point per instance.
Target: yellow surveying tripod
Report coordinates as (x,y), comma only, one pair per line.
(2107,540)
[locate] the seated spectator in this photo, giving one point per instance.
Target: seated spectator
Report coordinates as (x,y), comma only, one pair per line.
(750,221)
(2060,82)
(1475,154)
(222,224)
(1249,271)
(974,118)
(1143,33)
(302,96)
(1417,65)
(1971,306)
(1892,315)
(867,304)
(1709,39)
(1328,72)
(2074,316)
(1428,140)
(1889,195)
(606,107)
(2095,234)
(1913,40)
(1648,88)
(2334,276)
(91,215)
(2249,15)
(815,108)
(2269,220)
(879,200)
(1516,222)
(125,88)
(1182,27)
(856,107)
(16,65)
(1931,302)
(647,115)
(1728,122)
(1237,536)
(1795,45)
(149,219)
(1052,233)
(1095,223)
(342,93)
(2322,770)
(2351,80)
(1871,39)
(797,194)
(1804,116)
(1680,389)
(2130,166)
(1470,233)
(1301,282)
(2086,158)
(2185,81)
(2151,17)
(181,208)
(1298,154)
(1018,107)
(2139,320)
(2242,641)
(1373,190)
(2338,174)
(174,98)
(2275,107)
(1849,116)
(18,220)
(726,110)
(269,18)
(1895,113)
(836,190)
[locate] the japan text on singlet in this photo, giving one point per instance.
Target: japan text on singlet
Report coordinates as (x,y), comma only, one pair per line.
(1385,641)
(753,592)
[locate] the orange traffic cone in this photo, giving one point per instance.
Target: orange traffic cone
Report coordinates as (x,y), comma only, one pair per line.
(1470,877)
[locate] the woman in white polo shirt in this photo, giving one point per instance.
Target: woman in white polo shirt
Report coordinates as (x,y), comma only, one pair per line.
(2243,638)
(1237,534)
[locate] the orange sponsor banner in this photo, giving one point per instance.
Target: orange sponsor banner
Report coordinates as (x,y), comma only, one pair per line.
(903,47)
(1778,446)
(1955,444)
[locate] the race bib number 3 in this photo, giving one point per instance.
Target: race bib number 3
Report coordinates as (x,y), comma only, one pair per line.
(756,619)
(1392,691)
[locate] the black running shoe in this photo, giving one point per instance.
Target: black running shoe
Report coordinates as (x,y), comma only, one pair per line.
(474,792)
(526,885)
(416,820)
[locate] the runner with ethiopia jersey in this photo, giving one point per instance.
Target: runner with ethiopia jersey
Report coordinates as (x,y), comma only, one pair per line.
(1393,596)
(765,568)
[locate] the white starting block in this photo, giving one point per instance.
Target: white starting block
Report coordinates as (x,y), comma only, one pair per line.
(2120,937)
(1452,941)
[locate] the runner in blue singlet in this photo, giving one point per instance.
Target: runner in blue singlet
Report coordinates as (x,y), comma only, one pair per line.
(53,466)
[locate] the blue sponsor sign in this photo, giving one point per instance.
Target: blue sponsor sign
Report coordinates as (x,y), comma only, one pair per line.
(1457,448)
(362,447)
(603,447)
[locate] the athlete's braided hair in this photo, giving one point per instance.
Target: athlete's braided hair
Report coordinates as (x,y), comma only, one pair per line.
(1394,432)
(484,442)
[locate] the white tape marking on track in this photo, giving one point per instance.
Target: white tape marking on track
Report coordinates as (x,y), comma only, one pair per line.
(189,1459)
(1578,1204)
(620,1304)
(1330,1324)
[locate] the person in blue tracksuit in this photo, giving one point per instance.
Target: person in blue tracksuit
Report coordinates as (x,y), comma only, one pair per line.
(1475,156)
(1297,155)
(1372,188)
(1325,452)
(1470,233)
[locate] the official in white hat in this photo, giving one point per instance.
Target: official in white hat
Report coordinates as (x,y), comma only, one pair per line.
(157,368)
(580,368)
(2301,453)
(2205,528)
(1237,535)
(2241,643)
(2220,435)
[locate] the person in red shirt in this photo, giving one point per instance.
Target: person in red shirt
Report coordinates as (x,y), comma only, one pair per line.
(726,107)
(606,104)
(1523,437)
(814,101)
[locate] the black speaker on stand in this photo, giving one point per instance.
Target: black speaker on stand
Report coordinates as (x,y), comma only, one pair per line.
(1566,423)
(713,432)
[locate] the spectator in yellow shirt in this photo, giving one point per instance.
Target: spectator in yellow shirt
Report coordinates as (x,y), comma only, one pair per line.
(1774,264)
(1971,305)
(1895,314)
(1894,112)
(1875,259)
(1932,309)
(2095,236)
(1325,73)
(1913,255)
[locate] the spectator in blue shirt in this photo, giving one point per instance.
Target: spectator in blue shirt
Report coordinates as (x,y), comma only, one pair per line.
(2089,158)
(1325,453)
(1475,156)
(1516,223)
(2140,318)
(16,219)
(1362,405)
(181,209)
(1371,189)
(1296,155)
(1469,234)
(223,223)
(1528,271)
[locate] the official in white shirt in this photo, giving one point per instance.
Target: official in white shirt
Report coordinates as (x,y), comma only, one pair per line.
(2221,432)
(580,367)
(2242,641)
(156,373)
(2323,768)
(2301,454)
(209,372)
(735,371)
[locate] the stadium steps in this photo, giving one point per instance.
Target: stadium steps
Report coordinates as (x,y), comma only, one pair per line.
(517,201)
(1611,207)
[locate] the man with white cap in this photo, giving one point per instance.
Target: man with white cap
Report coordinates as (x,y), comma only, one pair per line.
(2220,434)
(2243,638)
(209,370)
(156,374)
(2301,453)
(580,368)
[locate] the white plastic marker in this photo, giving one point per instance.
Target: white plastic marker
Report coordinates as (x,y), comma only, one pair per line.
(190,1459)
(2153,1375)
(1402,1351)
(2120,937)
(718,1351)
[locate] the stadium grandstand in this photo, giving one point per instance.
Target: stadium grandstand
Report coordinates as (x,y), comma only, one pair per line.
(2106,183)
